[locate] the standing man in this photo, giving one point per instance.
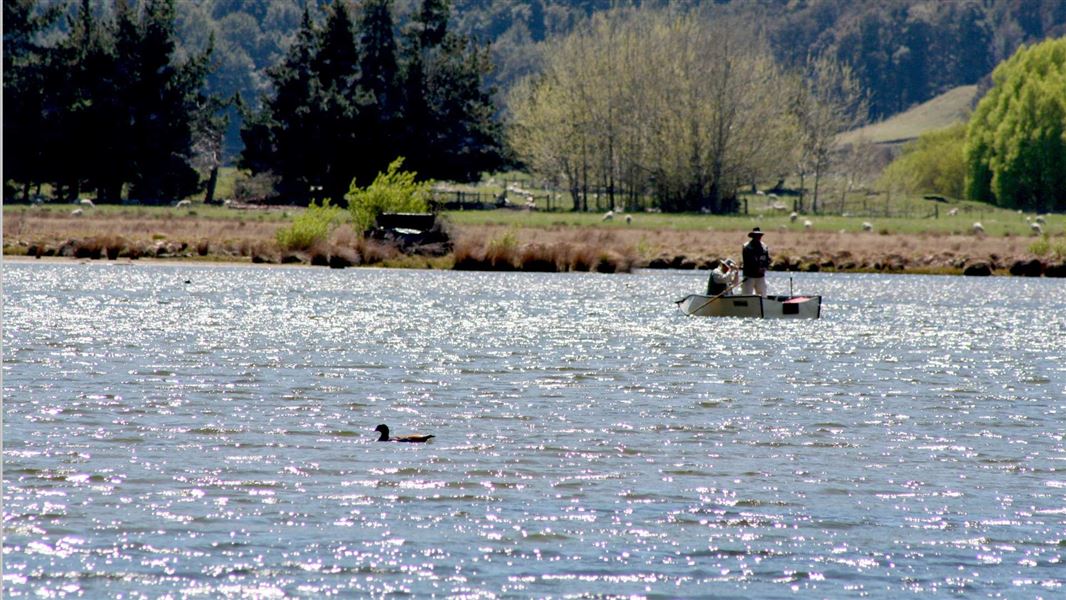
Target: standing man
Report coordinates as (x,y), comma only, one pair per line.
(756,258)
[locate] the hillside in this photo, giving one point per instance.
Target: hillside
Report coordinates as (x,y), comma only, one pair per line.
(946,109)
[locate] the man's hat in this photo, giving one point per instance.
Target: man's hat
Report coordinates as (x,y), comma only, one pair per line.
(756,232)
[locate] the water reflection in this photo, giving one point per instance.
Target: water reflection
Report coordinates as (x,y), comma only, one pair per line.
(216,436)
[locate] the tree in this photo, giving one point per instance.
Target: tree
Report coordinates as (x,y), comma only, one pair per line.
(934,163)
(284,138)
(452,130)
(166,98)
(27,63)
(829,102)
(645,100)
(1016,139)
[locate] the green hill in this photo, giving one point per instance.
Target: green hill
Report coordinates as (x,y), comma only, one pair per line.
(946,109)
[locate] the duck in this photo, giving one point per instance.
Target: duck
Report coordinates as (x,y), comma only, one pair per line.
(412,439)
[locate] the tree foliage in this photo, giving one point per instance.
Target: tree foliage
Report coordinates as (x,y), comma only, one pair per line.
(106,108)
(934,163)
(655,102)
(348,97)
(1016,139)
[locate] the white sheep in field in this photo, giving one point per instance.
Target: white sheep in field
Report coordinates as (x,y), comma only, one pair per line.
(978,228)
(760,193)
(953,212)
(76,212)
(183,204)
(1036,228)
(793,217)
(867,226)
(607,216)
(629,219)
(807,224)
(1040,219)
(86,203)
(772,196)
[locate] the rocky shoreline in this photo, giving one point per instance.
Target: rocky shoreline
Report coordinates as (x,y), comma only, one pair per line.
(558,249)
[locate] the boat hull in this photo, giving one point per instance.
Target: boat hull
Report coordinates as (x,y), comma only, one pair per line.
(770,307)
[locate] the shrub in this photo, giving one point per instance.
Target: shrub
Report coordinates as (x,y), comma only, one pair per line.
(309,228)
(1040,247)
(392,191)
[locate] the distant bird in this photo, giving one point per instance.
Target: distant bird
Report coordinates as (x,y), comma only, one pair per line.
(413,439)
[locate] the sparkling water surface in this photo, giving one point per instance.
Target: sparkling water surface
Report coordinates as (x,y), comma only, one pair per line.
(208,431)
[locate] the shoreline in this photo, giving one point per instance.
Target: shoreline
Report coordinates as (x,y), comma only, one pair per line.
(497,247)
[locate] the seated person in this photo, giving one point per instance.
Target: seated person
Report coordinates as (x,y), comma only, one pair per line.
(723,278)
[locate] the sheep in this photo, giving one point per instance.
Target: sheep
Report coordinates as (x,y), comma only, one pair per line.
(76,212)
(1040,219)
(1036,228)
(772,196)
(86,203)
(629,219)
(607,216)
(760,193)
(793,217)
(807,224)
(978,228)
(183,204)
(867,226)
(953,212)
(778,206)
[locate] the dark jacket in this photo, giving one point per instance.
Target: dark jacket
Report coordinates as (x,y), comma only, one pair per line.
(756,259)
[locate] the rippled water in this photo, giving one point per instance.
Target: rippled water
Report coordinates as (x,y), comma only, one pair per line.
(180,430)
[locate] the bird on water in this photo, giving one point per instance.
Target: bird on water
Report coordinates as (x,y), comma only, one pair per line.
(413,439)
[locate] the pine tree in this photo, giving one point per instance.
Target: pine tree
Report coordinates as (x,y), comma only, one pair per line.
(166,97)
(284,137)
(26,67)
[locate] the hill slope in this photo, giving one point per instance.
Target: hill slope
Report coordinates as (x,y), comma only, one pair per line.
(951,107)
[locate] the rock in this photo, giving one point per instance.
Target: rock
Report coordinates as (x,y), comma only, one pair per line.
(659,263)
(687,264)
(292,258)
(342,258)
(977,269)
(1027,268)
(1058,270)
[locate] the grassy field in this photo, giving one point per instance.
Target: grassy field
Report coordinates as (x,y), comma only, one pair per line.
(946,109)
(996,222)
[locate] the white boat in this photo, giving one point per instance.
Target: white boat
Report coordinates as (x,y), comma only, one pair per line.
(770,307)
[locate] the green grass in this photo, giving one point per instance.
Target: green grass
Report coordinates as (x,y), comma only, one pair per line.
(946,109)
(996,222)
(198,210)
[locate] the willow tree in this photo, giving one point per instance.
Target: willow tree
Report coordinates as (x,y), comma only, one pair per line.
(654,101)
(1016,139)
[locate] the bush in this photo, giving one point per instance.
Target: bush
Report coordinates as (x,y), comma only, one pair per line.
(309,228)
(392,191)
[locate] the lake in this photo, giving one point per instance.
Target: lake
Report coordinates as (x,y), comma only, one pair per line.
(184,430)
